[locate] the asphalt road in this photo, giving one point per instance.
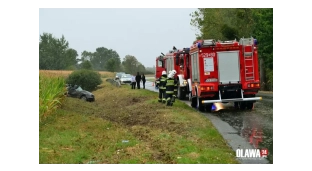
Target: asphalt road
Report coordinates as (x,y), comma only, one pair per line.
(243,129)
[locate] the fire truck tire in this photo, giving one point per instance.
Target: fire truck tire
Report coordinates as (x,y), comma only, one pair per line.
(236,104)
(199,105)
(242,105)
(194,102)
(249,105)
(181,94)
(208,107)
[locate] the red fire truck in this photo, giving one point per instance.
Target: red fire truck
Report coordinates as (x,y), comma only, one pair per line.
(174,60)
(219,71)
(165,62)
(160,66)
(182,66)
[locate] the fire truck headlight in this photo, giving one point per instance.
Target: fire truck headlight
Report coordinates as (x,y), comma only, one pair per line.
(212,80)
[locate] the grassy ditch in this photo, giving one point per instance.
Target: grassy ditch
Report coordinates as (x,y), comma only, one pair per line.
(129,126)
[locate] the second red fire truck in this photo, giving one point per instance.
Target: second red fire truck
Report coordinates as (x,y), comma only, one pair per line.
(217,71)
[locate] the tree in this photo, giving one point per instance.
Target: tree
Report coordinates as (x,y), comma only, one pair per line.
(85,55)
(55,54)
(71,57)
(111,65)
(231,23)
(141,68)
(264,33)
(130,64)
(210,21)
(100,57)
(86,65)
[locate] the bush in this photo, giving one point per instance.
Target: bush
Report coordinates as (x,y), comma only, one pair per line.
(87,79)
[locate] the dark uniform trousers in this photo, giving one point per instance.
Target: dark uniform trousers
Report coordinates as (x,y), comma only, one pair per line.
(175,91)
(162,89)
(169,91)
(159,91)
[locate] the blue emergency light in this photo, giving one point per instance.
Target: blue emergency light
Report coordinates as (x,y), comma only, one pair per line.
(255,42)
(213,107)
(198,45)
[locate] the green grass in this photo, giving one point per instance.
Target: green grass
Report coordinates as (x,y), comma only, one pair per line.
(51,93)
(83,132)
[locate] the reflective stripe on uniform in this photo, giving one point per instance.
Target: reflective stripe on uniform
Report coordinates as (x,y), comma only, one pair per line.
(162,82)
(170,83)
(169,92)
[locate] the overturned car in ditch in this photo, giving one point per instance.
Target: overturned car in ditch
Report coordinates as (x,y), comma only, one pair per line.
(77,92)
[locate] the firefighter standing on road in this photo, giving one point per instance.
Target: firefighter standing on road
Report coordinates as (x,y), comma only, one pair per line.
(170,83)
(162,87)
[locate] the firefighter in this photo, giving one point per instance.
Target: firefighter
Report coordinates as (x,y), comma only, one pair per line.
(162,88)
(157,82)
(170,82)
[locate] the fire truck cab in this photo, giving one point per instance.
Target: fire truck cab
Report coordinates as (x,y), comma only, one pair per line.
(222,71)
(160,67)
(170,60)
(182,66)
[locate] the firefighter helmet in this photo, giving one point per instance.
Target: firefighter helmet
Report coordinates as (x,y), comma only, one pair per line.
(171,74)
(164,73)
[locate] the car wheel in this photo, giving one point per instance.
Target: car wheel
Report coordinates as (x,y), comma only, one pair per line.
(84,98)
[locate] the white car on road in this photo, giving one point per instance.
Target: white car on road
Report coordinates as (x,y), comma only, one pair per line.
(125,79)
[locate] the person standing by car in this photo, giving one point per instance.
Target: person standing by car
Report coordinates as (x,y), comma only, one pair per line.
(143,80)
(132,82)
(138,80)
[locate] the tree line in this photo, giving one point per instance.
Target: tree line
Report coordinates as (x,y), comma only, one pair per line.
(235,23)
(55,54)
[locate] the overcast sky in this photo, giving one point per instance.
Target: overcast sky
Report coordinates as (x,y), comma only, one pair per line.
(143,33)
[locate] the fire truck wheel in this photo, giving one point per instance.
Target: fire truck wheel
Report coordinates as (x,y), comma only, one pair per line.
(181,94)
(194,102)
(208,107)
(200,106)
(242,105)
(249,105)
